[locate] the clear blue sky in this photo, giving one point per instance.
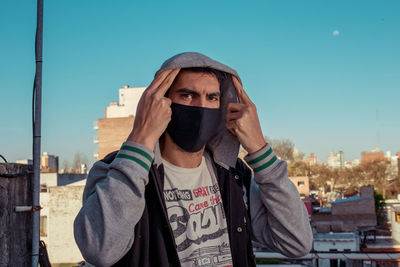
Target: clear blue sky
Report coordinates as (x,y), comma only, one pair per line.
(320,90)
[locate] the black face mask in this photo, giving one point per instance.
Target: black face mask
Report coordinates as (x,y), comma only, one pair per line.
(192,127)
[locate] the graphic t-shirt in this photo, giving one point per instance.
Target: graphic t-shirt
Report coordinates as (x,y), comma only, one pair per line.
(196,215)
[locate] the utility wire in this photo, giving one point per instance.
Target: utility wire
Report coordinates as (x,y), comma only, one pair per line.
(1,156)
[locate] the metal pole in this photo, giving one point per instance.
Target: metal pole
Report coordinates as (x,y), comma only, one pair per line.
(37,134)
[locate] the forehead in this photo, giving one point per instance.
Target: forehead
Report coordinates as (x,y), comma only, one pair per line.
(196,81)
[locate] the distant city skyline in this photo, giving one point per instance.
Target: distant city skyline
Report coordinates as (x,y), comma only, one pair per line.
(325,75)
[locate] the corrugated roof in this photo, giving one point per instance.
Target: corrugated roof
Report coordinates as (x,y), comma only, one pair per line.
(348,199)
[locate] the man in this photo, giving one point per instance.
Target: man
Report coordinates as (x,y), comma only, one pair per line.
(175,194)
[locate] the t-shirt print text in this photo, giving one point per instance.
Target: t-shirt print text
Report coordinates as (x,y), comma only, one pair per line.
(199,218)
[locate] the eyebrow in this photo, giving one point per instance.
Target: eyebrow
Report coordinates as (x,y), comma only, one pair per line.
(190,91)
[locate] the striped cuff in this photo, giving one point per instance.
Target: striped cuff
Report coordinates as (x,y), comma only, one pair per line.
(136,153)
(262,159)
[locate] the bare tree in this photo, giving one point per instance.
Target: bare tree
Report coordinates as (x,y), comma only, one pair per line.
(79,159)
(283,148)
(378,174)
(299,168)
(65,165)
(76,163)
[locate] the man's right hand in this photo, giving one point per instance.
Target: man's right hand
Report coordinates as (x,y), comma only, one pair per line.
(154,110)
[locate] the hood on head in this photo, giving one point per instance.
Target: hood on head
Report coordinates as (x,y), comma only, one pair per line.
(224,145)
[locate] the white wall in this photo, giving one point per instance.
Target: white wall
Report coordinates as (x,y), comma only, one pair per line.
(128,100)
(61,204)
(48,179)
(395,225)
(338,241)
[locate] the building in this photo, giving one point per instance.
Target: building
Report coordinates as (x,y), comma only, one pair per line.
(334,160)
(398,162)
(48,163)
(341,158)
(393,160)
(395,222)
(312,159)
(374,155)
(60,205)
(347,215)
(24,161)
(385,245)
(302,184)
(61,200)
(114,128)
(336,242)
(392,212)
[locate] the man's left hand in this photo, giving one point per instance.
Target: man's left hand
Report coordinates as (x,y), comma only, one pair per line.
(242,121)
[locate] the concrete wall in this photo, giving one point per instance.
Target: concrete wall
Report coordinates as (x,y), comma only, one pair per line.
(338,241)
(325,223)
(71,178)
(348,214)
(15,227)
(395,222)
(302,184)
(357,206)
(61,204)
(61,179)
(44,215)
(48,179)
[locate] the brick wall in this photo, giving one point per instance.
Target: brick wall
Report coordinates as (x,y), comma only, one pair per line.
(371,157)
(112,132)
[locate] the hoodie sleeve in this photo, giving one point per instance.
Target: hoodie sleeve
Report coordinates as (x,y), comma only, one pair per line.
(279,217)
(113,203)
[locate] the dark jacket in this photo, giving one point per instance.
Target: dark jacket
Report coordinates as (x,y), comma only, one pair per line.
(154,243)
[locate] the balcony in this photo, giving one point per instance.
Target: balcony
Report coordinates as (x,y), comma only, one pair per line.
(95,139)
(95,126)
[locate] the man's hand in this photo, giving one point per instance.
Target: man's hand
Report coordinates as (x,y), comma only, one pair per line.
(154,111)
(242,121)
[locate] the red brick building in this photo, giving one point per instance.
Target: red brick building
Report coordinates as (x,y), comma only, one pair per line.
(367,157)
(111,133)
(114,128)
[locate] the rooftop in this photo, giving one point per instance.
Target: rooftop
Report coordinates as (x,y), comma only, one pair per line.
(348,199)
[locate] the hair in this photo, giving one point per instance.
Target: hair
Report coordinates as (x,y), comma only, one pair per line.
(220,75)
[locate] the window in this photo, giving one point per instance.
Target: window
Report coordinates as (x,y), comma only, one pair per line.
(397,216)
(43,225)
(300,183)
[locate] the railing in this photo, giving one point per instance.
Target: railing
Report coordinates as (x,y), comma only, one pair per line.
(349,255)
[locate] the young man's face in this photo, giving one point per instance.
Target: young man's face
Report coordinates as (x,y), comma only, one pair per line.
(195,89)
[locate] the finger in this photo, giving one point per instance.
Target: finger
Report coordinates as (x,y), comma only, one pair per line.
(160,77)
(164,86)
(235,107)
(231,127)
(233,116)
(165,101)
(243,97)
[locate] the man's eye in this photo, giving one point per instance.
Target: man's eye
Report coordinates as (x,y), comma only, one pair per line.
(186,96)
(213,98)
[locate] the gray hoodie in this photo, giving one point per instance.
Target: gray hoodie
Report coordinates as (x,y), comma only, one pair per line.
(113,199)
